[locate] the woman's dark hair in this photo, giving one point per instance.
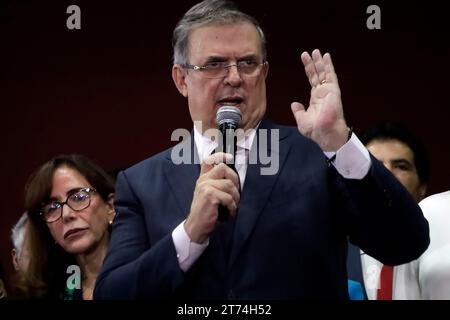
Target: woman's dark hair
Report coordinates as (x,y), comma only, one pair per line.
(46,275)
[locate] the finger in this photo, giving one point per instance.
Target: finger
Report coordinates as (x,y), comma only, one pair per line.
(217,197)
(218,157)
(227,200)
(319,65)
(310,69)
(298,110)
(205,168)
(329,69)
(208,194)
(297,107)
(301,117)
(222,171)
(210,161)
(226,186)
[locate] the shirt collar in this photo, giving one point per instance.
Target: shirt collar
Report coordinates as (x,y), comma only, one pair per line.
(205,145)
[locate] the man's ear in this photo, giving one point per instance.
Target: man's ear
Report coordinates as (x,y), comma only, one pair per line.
(422,191)
(179,78)
(266,69)
(15,259)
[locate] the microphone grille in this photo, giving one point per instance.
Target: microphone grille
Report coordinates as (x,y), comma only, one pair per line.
(228,114)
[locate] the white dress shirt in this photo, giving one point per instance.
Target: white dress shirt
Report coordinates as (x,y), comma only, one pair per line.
(428,277)
(371,269)
(352,162)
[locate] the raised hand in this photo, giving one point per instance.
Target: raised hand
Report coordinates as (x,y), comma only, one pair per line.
(323,121)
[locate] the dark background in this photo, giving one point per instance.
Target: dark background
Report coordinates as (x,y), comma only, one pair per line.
(106,90)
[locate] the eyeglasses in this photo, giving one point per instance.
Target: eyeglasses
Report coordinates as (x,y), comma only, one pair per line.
(219,69)
(77,201)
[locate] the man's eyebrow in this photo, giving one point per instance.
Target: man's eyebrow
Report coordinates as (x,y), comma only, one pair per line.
(248,57)
(223,59)
(216,59)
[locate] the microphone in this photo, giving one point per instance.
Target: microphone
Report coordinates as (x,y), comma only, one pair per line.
(227,118)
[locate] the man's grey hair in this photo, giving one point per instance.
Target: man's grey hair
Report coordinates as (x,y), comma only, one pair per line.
(209,12)
(18,232)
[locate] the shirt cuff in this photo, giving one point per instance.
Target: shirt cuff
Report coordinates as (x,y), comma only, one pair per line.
(187,251)
(352,159)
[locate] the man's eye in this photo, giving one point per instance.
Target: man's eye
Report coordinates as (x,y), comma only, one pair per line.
(402,167)
(247,63)
(213,65)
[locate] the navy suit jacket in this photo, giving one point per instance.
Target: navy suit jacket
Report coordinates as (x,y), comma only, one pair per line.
(290,235)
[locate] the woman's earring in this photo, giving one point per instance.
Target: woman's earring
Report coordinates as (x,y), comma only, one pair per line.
(110,222)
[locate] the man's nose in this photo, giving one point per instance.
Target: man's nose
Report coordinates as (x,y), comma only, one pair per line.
(233,76)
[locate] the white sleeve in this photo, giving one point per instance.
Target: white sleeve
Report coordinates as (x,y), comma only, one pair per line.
(187,250)
(406,281)
(352,159)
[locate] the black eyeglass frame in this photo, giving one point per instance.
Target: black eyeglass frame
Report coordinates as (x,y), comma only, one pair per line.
(88,190)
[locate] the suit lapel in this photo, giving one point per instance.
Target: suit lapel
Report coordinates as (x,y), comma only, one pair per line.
(182,177)
(257,190)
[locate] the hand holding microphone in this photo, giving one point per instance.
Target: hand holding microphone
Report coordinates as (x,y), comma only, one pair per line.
(218,186)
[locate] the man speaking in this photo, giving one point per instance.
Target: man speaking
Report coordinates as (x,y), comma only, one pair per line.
(286,234)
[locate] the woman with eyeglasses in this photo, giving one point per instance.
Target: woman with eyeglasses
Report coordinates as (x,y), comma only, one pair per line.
(69,201)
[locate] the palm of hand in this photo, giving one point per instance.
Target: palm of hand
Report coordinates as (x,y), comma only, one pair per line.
(325,109)
(323,121)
